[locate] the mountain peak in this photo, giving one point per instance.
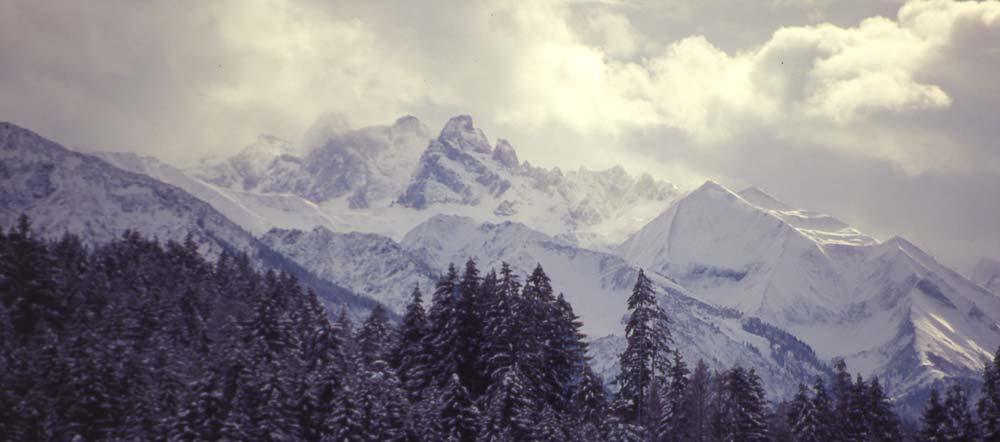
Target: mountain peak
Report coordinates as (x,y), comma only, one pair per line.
(461,134)
(504,154)
(758,197)
(711,186)
(407,121)
(712,189)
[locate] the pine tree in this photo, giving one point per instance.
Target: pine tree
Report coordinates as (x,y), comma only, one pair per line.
(698,403)
(30,287)
(410,356)
(541,335)
(803,418)
(568,349)
(509,408)
(742,406)
(383,404)
(202,418)
(841,389)
(674,422)
(458,418)
(375,338)
(778,423)
(346,419)
(443,340)
(590,400)
(961,427)
(470,330)
(826,420)
(502,344)
(988,407)
(883,422)
(933,420)
(645,357)
(856,424)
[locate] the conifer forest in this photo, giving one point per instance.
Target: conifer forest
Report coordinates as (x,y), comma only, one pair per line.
(137,340)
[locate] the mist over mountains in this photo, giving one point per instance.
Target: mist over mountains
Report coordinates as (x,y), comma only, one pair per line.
(372,212)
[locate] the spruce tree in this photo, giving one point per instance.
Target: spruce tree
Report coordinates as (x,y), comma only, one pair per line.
(590,400)
(644,360)
(469,334)
(540,333)
(568,354)
(375,338)
(698,403)
(826,420)
(883,422)
(988,407)
(674,422)
(458,418)
(803,418)
(443,339)
(934,420)
(503,344)
(411,359)
(961,427)
(29,293)
(841,390)
(509,409)
(856,424)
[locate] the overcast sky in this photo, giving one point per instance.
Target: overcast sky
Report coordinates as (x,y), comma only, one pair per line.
(883,113)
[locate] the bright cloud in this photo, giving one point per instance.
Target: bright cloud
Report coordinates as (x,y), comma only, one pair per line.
(746,92)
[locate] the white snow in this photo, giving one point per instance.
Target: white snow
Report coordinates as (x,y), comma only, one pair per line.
(888,308)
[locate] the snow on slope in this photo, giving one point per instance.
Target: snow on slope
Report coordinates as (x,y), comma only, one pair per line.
(365,166)
(65,191)
(888,308)
(987,274)
(256,212)
(594,209)
(368,264)
(388,179)
(598,284)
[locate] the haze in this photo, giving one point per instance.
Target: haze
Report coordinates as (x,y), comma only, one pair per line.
(882,113)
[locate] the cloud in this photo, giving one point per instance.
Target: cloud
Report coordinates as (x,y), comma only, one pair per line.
(892,95)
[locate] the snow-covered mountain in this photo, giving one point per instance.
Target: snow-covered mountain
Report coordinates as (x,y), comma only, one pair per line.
(64,191)
(987,274)
(597,284)
(368,264)
(388,179)
(594,209)
(365,166)
(887,307)
(746,278)
(255,212)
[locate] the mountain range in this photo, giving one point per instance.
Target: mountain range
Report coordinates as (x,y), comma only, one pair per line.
(375,211)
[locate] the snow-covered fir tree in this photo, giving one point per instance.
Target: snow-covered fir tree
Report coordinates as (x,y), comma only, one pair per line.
(933,420)
(140,340)
(645,361)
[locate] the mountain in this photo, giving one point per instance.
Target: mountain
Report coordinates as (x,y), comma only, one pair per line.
(888,308)
(69,192)
(364,166)
(987,274)
(368,264)
(388,179)
(255,212)
(597,284)
(591,208)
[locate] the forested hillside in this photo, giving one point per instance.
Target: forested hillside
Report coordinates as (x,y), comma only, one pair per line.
(137,340)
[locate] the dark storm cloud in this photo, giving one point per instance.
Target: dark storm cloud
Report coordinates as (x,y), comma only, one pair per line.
(879,112)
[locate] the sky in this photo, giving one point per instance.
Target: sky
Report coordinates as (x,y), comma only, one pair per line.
(881,112)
